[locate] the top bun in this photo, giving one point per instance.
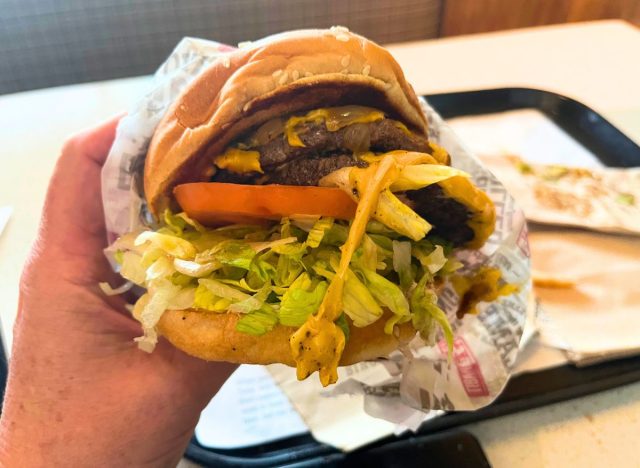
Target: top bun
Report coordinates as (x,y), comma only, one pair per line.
(278,75)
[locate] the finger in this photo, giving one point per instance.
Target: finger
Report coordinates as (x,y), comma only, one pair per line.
(73,220)
(94,143)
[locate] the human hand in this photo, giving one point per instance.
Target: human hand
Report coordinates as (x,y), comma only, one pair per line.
(79,391)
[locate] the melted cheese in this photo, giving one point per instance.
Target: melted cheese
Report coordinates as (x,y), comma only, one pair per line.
(239,161)
(439,154)
(402,127)
(334,118)
(318,344)
(483,286)
(403,157)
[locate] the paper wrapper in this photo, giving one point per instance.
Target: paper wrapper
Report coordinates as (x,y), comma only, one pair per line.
(585,281)
(486,344)
(595,316)
(602,199)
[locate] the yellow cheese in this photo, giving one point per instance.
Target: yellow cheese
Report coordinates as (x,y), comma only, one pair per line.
(402,127)
(334,118)
(439,154)
(483,286)
(239,161)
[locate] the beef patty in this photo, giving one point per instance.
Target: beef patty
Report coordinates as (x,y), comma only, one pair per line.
(309,171)
(383,135)
(326,151)
(448,217)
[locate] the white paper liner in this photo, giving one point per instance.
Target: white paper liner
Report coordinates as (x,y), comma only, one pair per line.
(603,199)
(486,345)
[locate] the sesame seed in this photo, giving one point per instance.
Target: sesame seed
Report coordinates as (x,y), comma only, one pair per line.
(283,79)
(226,61)
(295,75)
(343,37)
(339,29)
(276,73)
(366,70)
(308,74)
(245,108)
(345,61)
(244,44)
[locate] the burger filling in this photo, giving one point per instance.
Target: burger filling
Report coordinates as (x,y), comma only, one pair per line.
(302,150)
(321,222)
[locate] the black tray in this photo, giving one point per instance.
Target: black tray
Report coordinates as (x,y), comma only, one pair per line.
(584,124)
(522,392)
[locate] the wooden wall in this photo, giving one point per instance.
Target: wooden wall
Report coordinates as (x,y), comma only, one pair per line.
(475,16)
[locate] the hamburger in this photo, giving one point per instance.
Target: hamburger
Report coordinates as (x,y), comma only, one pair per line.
(300,213)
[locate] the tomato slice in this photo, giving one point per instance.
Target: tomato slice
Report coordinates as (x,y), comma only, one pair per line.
(216,203)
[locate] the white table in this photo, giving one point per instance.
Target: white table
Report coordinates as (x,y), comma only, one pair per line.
(595,63)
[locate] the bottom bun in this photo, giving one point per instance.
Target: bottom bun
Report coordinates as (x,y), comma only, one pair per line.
(213,337)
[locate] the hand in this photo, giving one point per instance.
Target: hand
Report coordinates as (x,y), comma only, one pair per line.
(79,391)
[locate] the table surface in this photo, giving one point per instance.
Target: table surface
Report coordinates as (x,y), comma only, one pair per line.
(591,62)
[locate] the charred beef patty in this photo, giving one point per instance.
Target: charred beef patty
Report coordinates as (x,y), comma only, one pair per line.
(309,171)
(277,157)
(381,136)
(448,217)
(326,151)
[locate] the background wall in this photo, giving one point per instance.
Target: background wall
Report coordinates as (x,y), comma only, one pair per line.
(477,16)
(46,43)
(53,42)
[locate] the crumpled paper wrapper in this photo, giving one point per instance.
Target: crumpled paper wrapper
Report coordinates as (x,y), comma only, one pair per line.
(585,281)
(486,344)
(595,316)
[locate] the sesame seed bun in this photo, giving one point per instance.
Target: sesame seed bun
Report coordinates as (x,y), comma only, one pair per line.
(278,75)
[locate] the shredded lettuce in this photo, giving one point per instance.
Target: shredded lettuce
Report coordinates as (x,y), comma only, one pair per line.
(280,273)
(109,291)
(430,256)
(171,245)
(223,290)
(161,294)
(257,323)
(195,269)
(402,263)
(162,267)
(132,268)
(436,260)
(399,217)
(387,294)
(426,315)
(231,253)
(317,231)
(368,257)
(304,222)
(205,299)
(178,222)
(260,246)
(117,256)
(302,299)
(344,326)
(421,175)
(358,302)
(255,302)
(336,235)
